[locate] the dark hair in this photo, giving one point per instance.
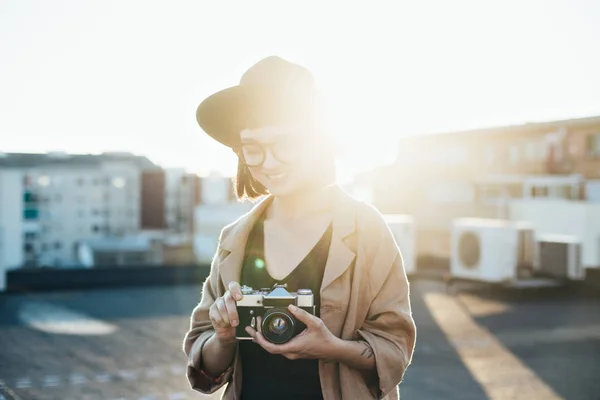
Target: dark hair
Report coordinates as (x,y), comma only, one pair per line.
(246,186)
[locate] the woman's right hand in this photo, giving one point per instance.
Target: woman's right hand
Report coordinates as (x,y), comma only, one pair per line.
(223,314)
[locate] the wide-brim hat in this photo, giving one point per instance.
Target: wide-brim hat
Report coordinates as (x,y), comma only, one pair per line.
(273,91)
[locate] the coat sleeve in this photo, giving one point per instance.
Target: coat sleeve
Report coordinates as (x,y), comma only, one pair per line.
(389,327)
(200,331)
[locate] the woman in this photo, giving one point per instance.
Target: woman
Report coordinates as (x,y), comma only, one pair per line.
(304,233)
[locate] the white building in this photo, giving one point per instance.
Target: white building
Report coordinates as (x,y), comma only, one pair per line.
(50,202)
(179,200)
(217,207)
(12,224)
(216,189)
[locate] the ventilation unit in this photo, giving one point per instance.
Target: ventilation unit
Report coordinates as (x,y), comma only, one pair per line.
(484,249)
(403,229)
(561,257)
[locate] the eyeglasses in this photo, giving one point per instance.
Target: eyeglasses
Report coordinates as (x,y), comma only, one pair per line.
(254,154)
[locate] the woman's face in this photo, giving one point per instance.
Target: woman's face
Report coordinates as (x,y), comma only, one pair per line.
(284,159)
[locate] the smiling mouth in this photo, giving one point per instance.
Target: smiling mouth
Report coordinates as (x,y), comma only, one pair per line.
(276,176)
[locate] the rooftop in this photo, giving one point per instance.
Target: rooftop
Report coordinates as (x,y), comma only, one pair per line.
(527,127)
(30,160)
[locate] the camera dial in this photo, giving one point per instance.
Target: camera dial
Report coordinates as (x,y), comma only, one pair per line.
(246,289)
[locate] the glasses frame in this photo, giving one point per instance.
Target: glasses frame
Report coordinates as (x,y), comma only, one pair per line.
(238,150)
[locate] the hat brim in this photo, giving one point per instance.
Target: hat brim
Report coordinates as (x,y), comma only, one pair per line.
(226,113)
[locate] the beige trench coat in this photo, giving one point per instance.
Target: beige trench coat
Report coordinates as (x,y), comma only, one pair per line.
(364,295)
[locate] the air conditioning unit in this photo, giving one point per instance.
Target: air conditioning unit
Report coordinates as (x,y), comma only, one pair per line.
(403,229)
(561,257)
(484,249)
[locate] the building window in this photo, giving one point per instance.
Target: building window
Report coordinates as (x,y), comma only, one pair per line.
(30,214)
(44,181)
(29,236)
(444,193)
(57,245)
(594,145)
(488,155)
(119,183)
(531,151)
(452,155)
(513,154)
(30,198)
(80,181)
(95,228)
(542,151)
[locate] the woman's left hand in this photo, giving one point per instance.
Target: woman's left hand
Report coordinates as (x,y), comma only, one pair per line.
(316,341)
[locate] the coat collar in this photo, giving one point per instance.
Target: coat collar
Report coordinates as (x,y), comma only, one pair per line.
(340,253)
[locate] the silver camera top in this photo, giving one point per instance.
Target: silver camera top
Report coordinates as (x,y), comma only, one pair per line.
(254,297)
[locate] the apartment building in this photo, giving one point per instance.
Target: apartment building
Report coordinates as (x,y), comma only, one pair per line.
(11,220)
(475,173)
(52,202)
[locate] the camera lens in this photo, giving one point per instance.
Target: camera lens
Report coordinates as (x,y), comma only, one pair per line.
(278,326)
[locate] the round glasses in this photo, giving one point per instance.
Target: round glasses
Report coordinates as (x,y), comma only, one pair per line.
(254,154)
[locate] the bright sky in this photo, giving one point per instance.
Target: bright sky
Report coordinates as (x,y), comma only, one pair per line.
(127,75)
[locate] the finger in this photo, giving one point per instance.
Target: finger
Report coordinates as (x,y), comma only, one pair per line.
(289,347)
(265,344)
(259,324)
(215,317)
(220,303)
(235,290)
(251,332)
(304,316)
(231,307)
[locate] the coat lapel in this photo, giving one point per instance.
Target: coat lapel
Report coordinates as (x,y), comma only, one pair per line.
(341,254)
(234,245)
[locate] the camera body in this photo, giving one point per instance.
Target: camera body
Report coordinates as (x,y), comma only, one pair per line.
(278,324)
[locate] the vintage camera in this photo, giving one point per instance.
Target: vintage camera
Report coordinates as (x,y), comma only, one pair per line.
(278,324)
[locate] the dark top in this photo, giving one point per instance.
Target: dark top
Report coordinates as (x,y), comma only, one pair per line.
(272,376)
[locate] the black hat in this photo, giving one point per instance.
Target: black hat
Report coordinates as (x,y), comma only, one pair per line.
(273,91)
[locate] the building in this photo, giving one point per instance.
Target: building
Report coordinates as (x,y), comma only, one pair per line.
(168,200)
(476,173)
(12,224)
(217,206)
(49,203)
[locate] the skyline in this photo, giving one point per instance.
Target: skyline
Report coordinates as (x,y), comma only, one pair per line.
(130,76)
